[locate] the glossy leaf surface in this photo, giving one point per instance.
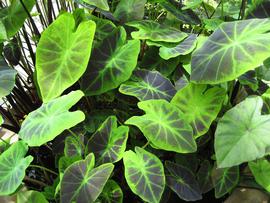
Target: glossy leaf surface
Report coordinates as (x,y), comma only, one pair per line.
(7,78)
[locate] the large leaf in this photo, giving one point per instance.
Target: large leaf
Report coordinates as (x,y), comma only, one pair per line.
(154,31)
(82,182)
(112,193)
(109,142)
(165,126)
(144,174)
(14,16)
(111,63)
(62,57)
(7,78)
(12,167)
(102,4)
(242,134)
(261,171)
(183,182)
(51,119)
(200,105)
(31,196)
(183,48)
(147,85)
(224,180)
(129,10)
(233,49)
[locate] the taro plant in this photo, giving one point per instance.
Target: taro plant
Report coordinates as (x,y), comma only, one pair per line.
(134,100)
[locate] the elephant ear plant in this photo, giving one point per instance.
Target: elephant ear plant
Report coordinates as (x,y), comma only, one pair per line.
(134,100)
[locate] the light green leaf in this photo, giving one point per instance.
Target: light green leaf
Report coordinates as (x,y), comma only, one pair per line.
(242,134)
(147,85)
(154,31)
(224,180)
(261,171)
(62,57)
(73,146)
(51,119)
(82,182)
(109,142)
(144,174)
(111,63)
(200,105)
(31,196)
(1,120)
(12,167)
(233,49)
(183,48)
(129,10)
(164,126)
(192,4)
(102,4)
(112,193)
(3,32)
(212,23)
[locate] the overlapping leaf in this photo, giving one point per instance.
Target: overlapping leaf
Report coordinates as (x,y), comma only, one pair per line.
(62,57)
(73,146)
(234,48)
(200,106)
(204,176)
(109,141)
(147,85)
(111,63)
(102,4)
(112,193)
(165,126)
(12,167)
(260,11)
(242,134)
(51,119)
(31,196)
(144,174)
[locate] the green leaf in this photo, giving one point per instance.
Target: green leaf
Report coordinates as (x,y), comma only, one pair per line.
(102,4)
(183,182)
(164,126)
(212,24)
(31,196)
(109,142)
(192,4)
(51,119)
(112,193)
(7,78)
(1,120)
(154,31)
(147,85)
(204,176)
(62,57)
(233,49)
(14,16)
(200,105)
(13,164)
(242,134)
(260,11)
(261,171)
(82,182)
(224,180)
(183,48)
(3,32)
(144,174)
(73,146)
(111,63)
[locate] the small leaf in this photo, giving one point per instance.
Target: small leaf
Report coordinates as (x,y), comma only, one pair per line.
(165,126)
(13,164)
(242,134)
(112,193)
(204,176)
(1,120)
(51,119)
(62,57)
(3,32)
(183,182)
(144,174)
(183,48)
(109,142)
(147,85)
(200,106)
(82,182)
(31,196)
(73,146)
(224,180)
(260,11)
(154,31)
(102,4)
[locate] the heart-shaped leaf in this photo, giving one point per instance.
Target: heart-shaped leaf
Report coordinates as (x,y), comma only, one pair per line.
(242,134)
(183,48)
(233,49)
(82,182)
(73,146)
(144,174)
(183,182)
(111,63)
(200,106)
(112,193)
(154,31)
(12,167)
(147,85)
(51,119)
(102,4)
(109,142)
(62,57)
(165,126)
(31,196)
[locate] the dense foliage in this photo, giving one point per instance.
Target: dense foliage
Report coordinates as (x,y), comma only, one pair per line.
(134,100)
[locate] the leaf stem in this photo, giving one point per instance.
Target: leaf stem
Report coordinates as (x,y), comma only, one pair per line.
(146,144)
(26,178)
(44,168)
